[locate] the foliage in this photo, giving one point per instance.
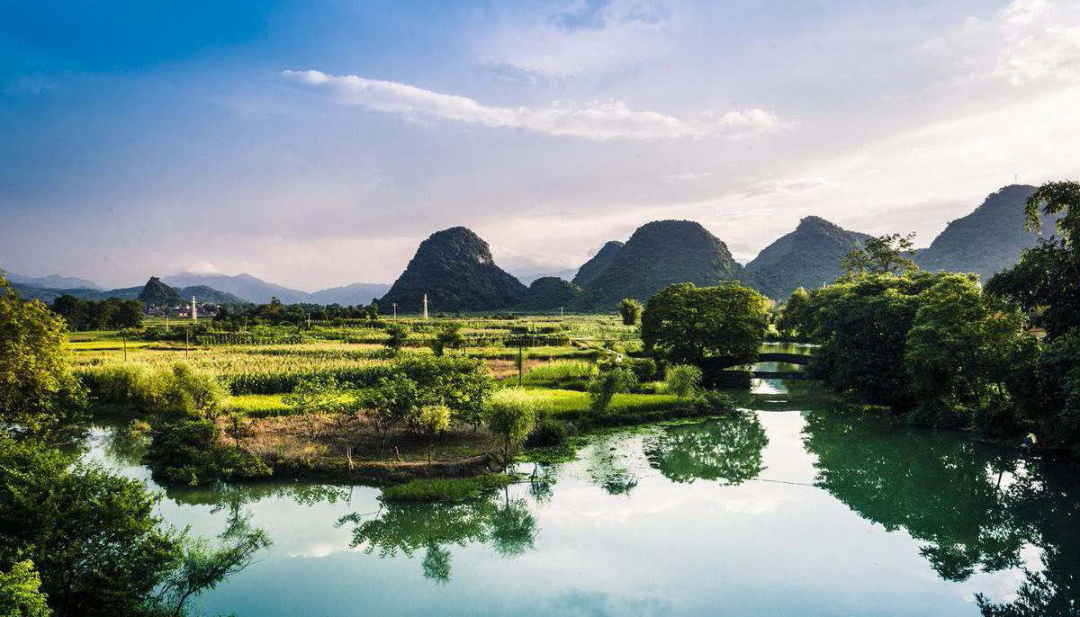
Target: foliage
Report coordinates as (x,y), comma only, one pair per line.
(558,371)
(727,450)
(188,451)
(1046,285)
(810,256)
(659,254)
(94,537)
(178,389)
(446,490)
(511,415)
(20,592)
(548,433)
(318,394)
(645,369)
(1057,198)
(107,314)
(549,293)
(396,336)
(793,315)
(455,270)
(606,384)
(630,311)
(683,380)
(37,391)
(962,354)
(888,254)
(448,337)
(1059,384)
(687,324)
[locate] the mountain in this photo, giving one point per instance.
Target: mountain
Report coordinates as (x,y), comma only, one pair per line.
(53,281)
(156,293)
(987,240)
(659,254)
(549,293)
(242,285)
(808,257)
(350,295)
(209,295)
(531,277)
(455,269)
(589,270)
(202,294)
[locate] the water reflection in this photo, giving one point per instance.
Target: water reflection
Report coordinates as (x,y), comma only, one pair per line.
(973,507)
(505,524)
(725,449)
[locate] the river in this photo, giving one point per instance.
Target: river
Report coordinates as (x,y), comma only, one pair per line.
(797,507)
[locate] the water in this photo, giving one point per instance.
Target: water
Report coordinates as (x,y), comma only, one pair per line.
(795,508)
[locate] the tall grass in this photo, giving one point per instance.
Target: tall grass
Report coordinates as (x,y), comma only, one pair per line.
(560,370)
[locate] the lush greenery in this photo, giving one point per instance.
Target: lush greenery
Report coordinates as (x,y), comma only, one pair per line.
(108,314)
(549,294)
(599,262)
(630,311)
(688,324)
(158,294)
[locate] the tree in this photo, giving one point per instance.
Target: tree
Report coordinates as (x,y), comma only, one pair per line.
(1046,285)
(95,537)
(962,354)
(1057,198)
(609,381)
(434,420)
(793,320)
(396,336)
(630,310)
(37,390)
(687,324)
(448,337)
(888,254)
(511,415)
(20,592)
(683,380)
(394,400)
(372,311)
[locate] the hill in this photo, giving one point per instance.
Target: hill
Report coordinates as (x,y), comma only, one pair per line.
(244,286)
(987,240)
(589,270)
(202,294)
(808,257)
(156,293)
(53,281)
(349,295)
(455,269)
(657,255)
(549,293)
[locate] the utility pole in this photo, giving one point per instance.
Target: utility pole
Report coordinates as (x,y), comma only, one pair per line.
(124,334)
(187,342)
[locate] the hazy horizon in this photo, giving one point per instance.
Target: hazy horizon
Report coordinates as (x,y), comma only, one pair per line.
(316,146)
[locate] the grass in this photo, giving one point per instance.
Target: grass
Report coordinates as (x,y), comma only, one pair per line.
(447,490)
(560,370)
(572,403)
(261,405)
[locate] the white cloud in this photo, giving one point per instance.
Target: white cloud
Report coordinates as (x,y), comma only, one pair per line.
(603,120)
(1025,42)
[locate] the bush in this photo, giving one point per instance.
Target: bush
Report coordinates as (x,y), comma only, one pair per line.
(606,385)
(645,369)
(186,451)
(630,311)
(445,489)
(683,380)
(548,433)
(511,415)
(396,336)
(448,337)
(177,390)
(560,370)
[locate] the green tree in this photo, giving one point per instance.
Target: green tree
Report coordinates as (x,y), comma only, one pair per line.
(20,592)
(687,324)
(448,337)
(888,254)
(1057,198)
(37,391)
(793,321)
(683,380)
(396,336)
(1046,285)
(609,381)
(394,400)
(511,415)
(630,310)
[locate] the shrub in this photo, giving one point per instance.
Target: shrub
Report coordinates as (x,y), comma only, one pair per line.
(193,393)
(560,370)
(606,385)
(548,433)
(448,337)
(186,451)
(645,369)
(396,336)
(630,311)
(683,380)
(511,415)
(20,592)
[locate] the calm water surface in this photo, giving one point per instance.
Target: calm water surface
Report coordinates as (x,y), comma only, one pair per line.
(795,508)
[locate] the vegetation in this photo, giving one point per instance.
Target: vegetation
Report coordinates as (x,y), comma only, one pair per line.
(511,414)
(20,592)
(108,314)
(888,254)
(549,293)
(599,262)
(683,380)
(630,311)
(396,337)
(156,293)
(687,324)
(612,379)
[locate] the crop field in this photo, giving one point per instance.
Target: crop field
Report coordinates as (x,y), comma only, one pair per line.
(261,365)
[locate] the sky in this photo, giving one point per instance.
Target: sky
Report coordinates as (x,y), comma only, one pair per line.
(315,144)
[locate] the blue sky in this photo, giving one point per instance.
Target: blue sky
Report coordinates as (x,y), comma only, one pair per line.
(317,143)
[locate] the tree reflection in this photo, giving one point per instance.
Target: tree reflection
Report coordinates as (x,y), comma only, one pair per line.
(607,466)
(974,507)
(406,528)
(725,449)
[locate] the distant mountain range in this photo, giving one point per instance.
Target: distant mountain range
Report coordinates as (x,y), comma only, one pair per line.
(455,268)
